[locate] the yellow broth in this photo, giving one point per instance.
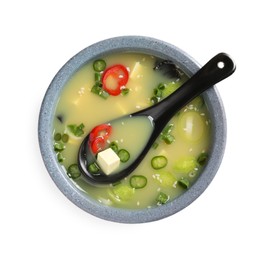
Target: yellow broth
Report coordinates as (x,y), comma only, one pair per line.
(191,130)
(128,133)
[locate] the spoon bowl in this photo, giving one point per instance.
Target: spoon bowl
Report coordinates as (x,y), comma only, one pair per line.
(218,68)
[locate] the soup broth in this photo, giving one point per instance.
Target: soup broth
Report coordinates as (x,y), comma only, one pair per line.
(178,155)
(124,134)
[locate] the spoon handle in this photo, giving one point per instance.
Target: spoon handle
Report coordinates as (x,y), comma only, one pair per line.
(218,68)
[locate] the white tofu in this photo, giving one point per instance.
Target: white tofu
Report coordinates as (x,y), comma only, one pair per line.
(108,160)
(137,71)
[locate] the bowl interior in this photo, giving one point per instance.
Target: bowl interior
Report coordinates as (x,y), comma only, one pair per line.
(144,45)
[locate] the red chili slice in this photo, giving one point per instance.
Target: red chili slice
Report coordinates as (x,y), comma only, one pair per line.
(98,137)
(103,130)
(114,78)
(97,145)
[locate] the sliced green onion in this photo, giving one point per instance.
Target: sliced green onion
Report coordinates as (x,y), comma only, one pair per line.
(97,77)
(65,138)
(77,130)
(202,159)
(104,94)
(168,139)
(93,168)
(60,157)
(58,147)
(123,155)
(99,65)
(159,162)
(166,135)
(158,92)
(114,146)
(57,137)
(161,86)
(154,100)
(73,171)
(138,181)
(162,198)
(184,182)
(98,90)
(170,88)
(125,91)
(168,129)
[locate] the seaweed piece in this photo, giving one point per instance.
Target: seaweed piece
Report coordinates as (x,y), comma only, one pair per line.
(168,68)
(60,118)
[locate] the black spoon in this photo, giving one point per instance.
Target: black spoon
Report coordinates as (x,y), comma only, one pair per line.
(218,68)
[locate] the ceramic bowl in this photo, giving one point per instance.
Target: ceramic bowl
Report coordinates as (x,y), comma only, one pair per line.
(150,46)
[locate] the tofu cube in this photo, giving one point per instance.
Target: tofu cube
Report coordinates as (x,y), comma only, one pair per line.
(137,71)
(108,160)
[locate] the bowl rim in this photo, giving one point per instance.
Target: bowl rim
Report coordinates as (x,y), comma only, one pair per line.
(147,45)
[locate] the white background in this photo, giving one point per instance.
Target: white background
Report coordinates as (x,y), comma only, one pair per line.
(231,220)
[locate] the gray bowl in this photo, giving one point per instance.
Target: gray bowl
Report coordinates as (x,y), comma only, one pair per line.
(136,44)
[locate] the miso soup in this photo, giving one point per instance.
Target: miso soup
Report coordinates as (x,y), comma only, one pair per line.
(101,91)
